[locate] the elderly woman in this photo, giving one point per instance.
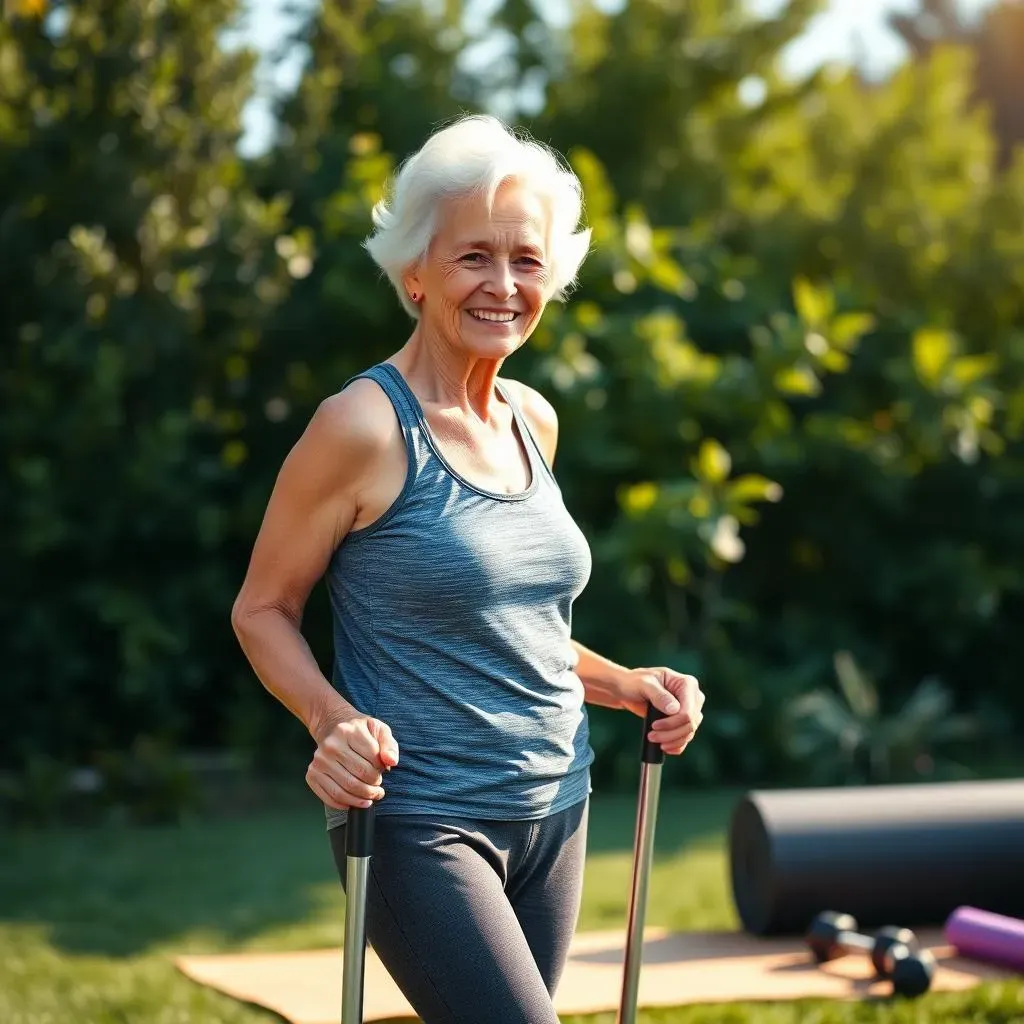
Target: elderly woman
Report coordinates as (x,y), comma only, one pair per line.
(423,492)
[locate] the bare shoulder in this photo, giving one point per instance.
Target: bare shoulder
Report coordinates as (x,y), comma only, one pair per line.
(350,430)
(540,415)
(360,415)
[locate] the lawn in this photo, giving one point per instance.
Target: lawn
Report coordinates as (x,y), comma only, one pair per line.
(89,919)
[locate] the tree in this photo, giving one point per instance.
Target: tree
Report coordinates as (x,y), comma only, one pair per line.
(996,42)
(137,267)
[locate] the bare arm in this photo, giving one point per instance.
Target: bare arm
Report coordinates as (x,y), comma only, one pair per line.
(315,501)
(310,510)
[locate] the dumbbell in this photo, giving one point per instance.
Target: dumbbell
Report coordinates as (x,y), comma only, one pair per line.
(895,952)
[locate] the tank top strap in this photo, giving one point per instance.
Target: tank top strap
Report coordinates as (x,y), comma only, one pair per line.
(406,409)
(533,448)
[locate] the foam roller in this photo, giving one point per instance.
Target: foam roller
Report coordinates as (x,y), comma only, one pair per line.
(990,938)
(907,855)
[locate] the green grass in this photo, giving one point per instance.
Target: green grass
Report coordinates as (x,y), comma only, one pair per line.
(89,919)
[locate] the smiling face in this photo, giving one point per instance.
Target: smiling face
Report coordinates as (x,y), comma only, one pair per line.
(485,280)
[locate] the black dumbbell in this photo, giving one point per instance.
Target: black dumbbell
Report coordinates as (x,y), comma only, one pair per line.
(911,970)
(895,952)
(833,935)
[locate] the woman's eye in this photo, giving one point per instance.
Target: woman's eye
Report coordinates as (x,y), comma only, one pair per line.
(473,256)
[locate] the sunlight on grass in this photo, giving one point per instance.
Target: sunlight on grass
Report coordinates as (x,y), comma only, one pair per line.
(688,891)
(89,920)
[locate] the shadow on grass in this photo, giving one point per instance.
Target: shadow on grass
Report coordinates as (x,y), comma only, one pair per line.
(221,884)
(119,891)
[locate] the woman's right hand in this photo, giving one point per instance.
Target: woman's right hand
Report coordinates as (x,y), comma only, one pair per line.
(346,768)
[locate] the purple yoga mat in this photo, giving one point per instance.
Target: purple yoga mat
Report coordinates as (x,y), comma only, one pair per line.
(991,938)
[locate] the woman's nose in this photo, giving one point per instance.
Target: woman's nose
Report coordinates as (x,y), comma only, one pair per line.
(501,281)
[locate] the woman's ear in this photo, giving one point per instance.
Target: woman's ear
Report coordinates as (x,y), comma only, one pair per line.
(413,286)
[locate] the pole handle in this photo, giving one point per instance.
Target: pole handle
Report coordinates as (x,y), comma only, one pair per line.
(359,833)
(651,752)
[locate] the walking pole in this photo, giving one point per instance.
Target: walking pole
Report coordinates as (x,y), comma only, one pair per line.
(358,850)
(651,758)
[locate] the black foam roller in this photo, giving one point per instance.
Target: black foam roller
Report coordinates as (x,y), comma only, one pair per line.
(906,855)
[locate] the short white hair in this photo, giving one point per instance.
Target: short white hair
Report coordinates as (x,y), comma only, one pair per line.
(476,154)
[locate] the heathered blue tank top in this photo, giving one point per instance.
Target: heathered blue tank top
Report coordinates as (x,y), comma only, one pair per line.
(452,616)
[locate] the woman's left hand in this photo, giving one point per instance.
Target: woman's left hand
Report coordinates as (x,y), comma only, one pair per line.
(678,695)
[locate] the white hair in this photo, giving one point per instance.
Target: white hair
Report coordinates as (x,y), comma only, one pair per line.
(476,154)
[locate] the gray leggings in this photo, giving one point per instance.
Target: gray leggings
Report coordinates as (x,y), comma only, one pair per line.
(473,919)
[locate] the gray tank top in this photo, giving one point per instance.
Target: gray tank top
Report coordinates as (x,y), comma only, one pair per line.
(452,615)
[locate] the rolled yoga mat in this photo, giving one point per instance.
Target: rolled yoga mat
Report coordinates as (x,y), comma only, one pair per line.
(906,855)
(987,937)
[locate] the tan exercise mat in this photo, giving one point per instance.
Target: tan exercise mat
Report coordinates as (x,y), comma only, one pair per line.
(678,968)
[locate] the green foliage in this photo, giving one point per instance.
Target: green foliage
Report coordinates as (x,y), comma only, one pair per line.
(823,322)
(789,382)
(138,267)
(847,737)
(149,783)
(994,39)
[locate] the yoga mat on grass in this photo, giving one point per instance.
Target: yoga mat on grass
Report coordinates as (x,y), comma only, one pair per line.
(679,968)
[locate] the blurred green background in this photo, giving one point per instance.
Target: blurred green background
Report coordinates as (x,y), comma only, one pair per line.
(790,383)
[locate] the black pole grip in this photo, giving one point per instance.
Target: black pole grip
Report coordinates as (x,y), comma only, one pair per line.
(359,831)
(651,752)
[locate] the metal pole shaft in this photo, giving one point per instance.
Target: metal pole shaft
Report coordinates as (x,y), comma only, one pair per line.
(356,872)
(651,759)
(358,850)
(643,855)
